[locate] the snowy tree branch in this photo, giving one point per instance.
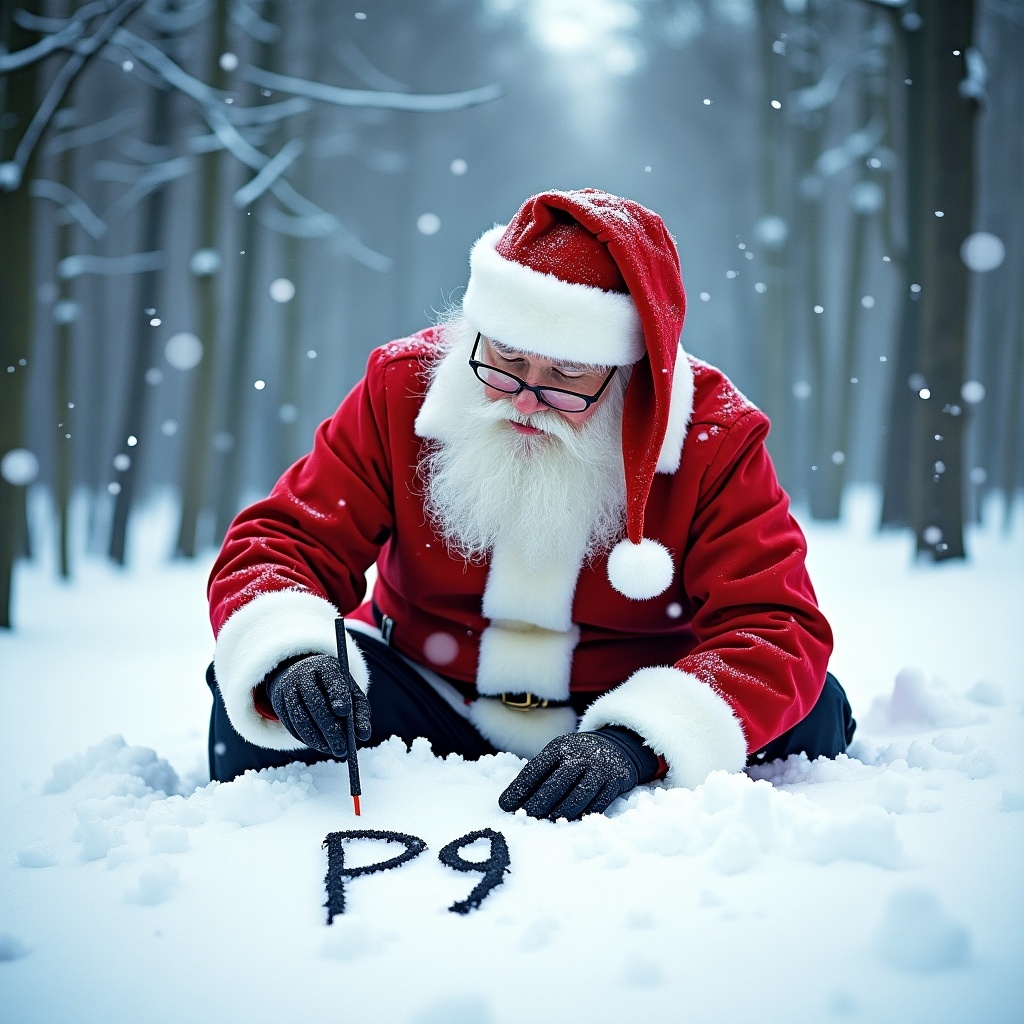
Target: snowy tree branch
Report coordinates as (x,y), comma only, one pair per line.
(316,222)
(320,224)
(368,73)
(143,152)
(269,112)
(151,178)
(92,133)
(252,24)
(422,102)
(108,266)
(39,23)
(173,23)
(12,173)
(37,51)
(273,170)
(856,145)
(826,89)
(42,188)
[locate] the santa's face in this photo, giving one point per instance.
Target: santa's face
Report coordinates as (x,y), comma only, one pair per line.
(551,491)
(542,372)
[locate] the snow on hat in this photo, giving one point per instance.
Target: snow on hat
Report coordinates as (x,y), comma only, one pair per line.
(588,277)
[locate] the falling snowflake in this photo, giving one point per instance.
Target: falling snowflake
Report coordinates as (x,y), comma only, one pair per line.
(428,223)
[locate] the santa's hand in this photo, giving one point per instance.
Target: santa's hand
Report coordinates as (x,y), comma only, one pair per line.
(581,773)
(312,698)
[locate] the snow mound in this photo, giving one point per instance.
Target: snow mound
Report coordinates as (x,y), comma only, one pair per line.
(641,971)
(37,855)
(258,797)
(169,839)
(155,884)
(916,703)
(735,820)
(990,694)
(123,770)
(115,784)
(11,947)
(1012,799)
(456,1009)
(917,935)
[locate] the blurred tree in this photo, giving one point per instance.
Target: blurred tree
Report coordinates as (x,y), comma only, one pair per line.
(772,233)
(904,395)
(65,314)
(245,315)
(807,110)
(865,199)
(947,129)
(205,264)
(1011,475)
(143,314)
(996,431)
(16,307)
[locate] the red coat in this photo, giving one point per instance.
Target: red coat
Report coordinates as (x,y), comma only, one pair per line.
(732,655)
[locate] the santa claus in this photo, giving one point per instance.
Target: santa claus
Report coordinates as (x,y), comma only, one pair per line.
(583,553)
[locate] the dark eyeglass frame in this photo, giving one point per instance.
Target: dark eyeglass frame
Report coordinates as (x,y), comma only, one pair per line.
(537,389)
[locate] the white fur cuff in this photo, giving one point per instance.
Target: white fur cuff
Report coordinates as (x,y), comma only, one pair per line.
(262,634)
(679,717)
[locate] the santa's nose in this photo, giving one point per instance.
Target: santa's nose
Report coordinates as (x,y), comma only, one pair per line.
(526,402)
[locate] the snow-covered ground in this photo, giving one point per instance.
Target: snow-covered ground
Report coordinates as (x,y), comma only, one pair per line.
(881,887)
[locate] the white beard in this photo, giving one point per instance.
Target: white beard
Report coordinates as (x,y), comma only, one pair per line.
(550,496)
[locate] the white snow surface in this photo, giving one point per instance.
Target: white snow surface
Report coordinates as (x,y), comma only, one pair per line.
(882,886)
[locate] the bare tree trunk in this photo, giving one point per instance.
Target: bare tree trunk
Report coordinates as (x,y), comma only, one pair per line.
(16,327)
(1014,427)
(834,459)
(288,408)
(903,398)
(292,256)
(806,43)
(62,413)
(205,265)
(776,358)
(244,320)
(142,350)
(948,176)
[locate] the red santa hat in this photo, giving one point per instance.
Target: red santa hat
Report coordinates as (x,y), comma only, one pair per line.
(588,277)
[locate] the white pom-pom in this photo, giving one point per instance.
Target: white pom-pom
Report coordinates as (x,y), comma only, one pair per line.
(640,571)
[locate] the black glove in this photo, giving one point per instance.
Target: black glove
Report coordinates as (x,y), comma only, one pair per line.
(581,773)
(312,698)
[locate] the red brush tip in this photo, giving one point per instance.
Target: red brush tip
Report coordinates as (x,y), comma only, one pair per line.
(355,803)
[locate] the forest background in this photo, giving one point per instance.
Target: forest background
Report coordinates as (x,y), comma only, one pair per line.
(212,210)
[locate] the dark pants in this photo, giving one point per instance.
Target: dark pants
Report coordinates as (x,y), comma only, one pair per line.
(403,705)
(826,731)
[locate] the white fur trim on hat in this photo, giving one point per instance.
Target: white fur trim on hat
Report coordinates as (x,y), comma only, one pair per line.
(640,571)
(523,733)
(516,657)
(536,312)
(259,636)
(679,717)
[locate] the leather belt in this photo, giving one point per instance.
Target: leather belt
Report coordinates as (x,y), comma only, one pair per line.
(529,702)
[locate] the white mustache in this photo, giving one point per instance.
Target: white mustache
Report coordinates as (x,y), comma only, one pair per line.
(550,422)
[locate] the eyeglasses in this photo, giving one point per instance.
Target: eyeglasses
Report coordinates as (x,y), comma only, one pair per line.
(510,384)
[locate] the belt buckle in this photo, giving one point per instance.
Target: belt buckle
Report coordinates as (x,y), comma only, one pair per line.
(523,701)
